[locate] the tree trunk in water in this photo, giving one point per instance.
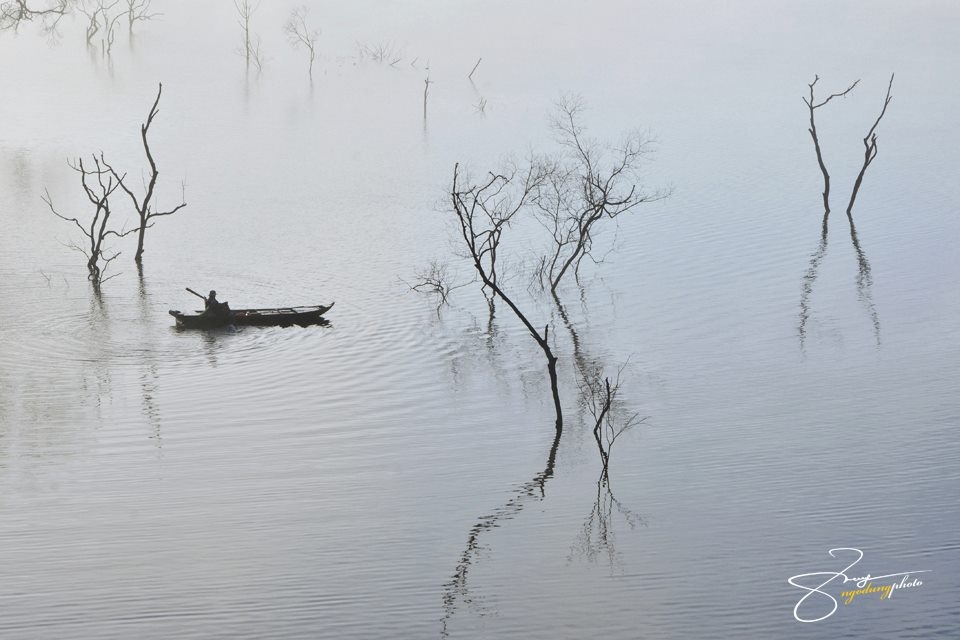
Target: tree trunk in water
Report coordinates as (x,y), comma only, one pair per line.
(552,370)
(138,258)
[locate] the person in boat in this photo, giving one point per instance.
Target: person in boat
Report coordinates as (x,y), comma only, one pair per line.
(214,307)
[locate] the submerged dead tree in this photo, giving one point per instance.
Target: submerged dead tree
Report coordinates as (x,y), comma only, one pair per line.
(483,211)
(812,106)
(15,13)
(869,141)
(138,11)
(300,34)
(611,420)
(145,205)
(864,275)
(99,184)
(587,184)
(250,47)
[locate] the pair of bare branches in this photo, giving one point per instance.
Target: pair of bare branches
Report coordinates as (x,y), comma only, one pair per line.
(99,185)
(869,140)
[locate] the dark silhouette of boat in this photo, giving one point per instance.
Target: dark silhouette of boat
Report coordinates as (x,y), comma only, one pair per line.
(279,317)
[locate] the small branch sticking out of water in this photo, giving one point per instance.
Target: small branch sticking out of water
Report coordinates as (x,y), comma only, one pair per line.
(470,77)
(426,89)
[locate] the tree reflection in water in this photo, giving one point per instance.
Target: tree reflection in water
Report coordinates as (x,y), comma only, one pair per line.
(864,274)
(457,590)
(597,538)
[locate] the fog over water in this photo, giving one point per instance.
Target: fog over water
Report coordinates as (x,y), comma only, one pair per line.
(396,473)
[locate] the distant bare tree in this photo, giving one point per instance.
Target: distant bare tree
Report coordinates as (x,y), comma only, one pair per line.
(99,184)
(250,47)
(93,20)
(384,53)
(299,33)
(48,13)
(146,206)
(587,184)
(100,19)
(426,89)
(484,210)
(813,105)
(139,11)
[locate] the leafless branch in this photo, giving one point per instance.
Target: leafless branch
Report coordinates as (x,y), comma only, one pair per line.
(813,105)
(145,206)
(470,76)
(869,148)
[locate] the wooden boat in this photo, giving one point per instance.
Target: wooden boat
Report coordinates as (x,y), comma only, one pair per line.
(279,317)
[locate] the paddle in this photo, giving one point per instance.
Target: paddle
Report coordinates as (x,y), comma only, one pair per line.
(197,294)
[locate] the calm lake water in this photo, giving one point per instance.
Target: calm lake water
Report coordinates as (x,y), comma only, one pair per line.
(395,474)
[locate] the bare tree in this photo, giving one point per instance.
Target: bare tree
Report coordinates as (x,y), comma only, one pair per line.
(146,206)
(435,279)
(139,11)
(869,148)
(93,21)
(299,33)
(98,183)
(611,420)
(812,106)
(484,210)
(48,13)
(100,20)
(250,47)
(588,183)
(110,22)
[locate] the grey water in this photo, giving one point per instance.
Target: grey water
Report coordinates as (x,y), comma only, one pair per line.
(395,474)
